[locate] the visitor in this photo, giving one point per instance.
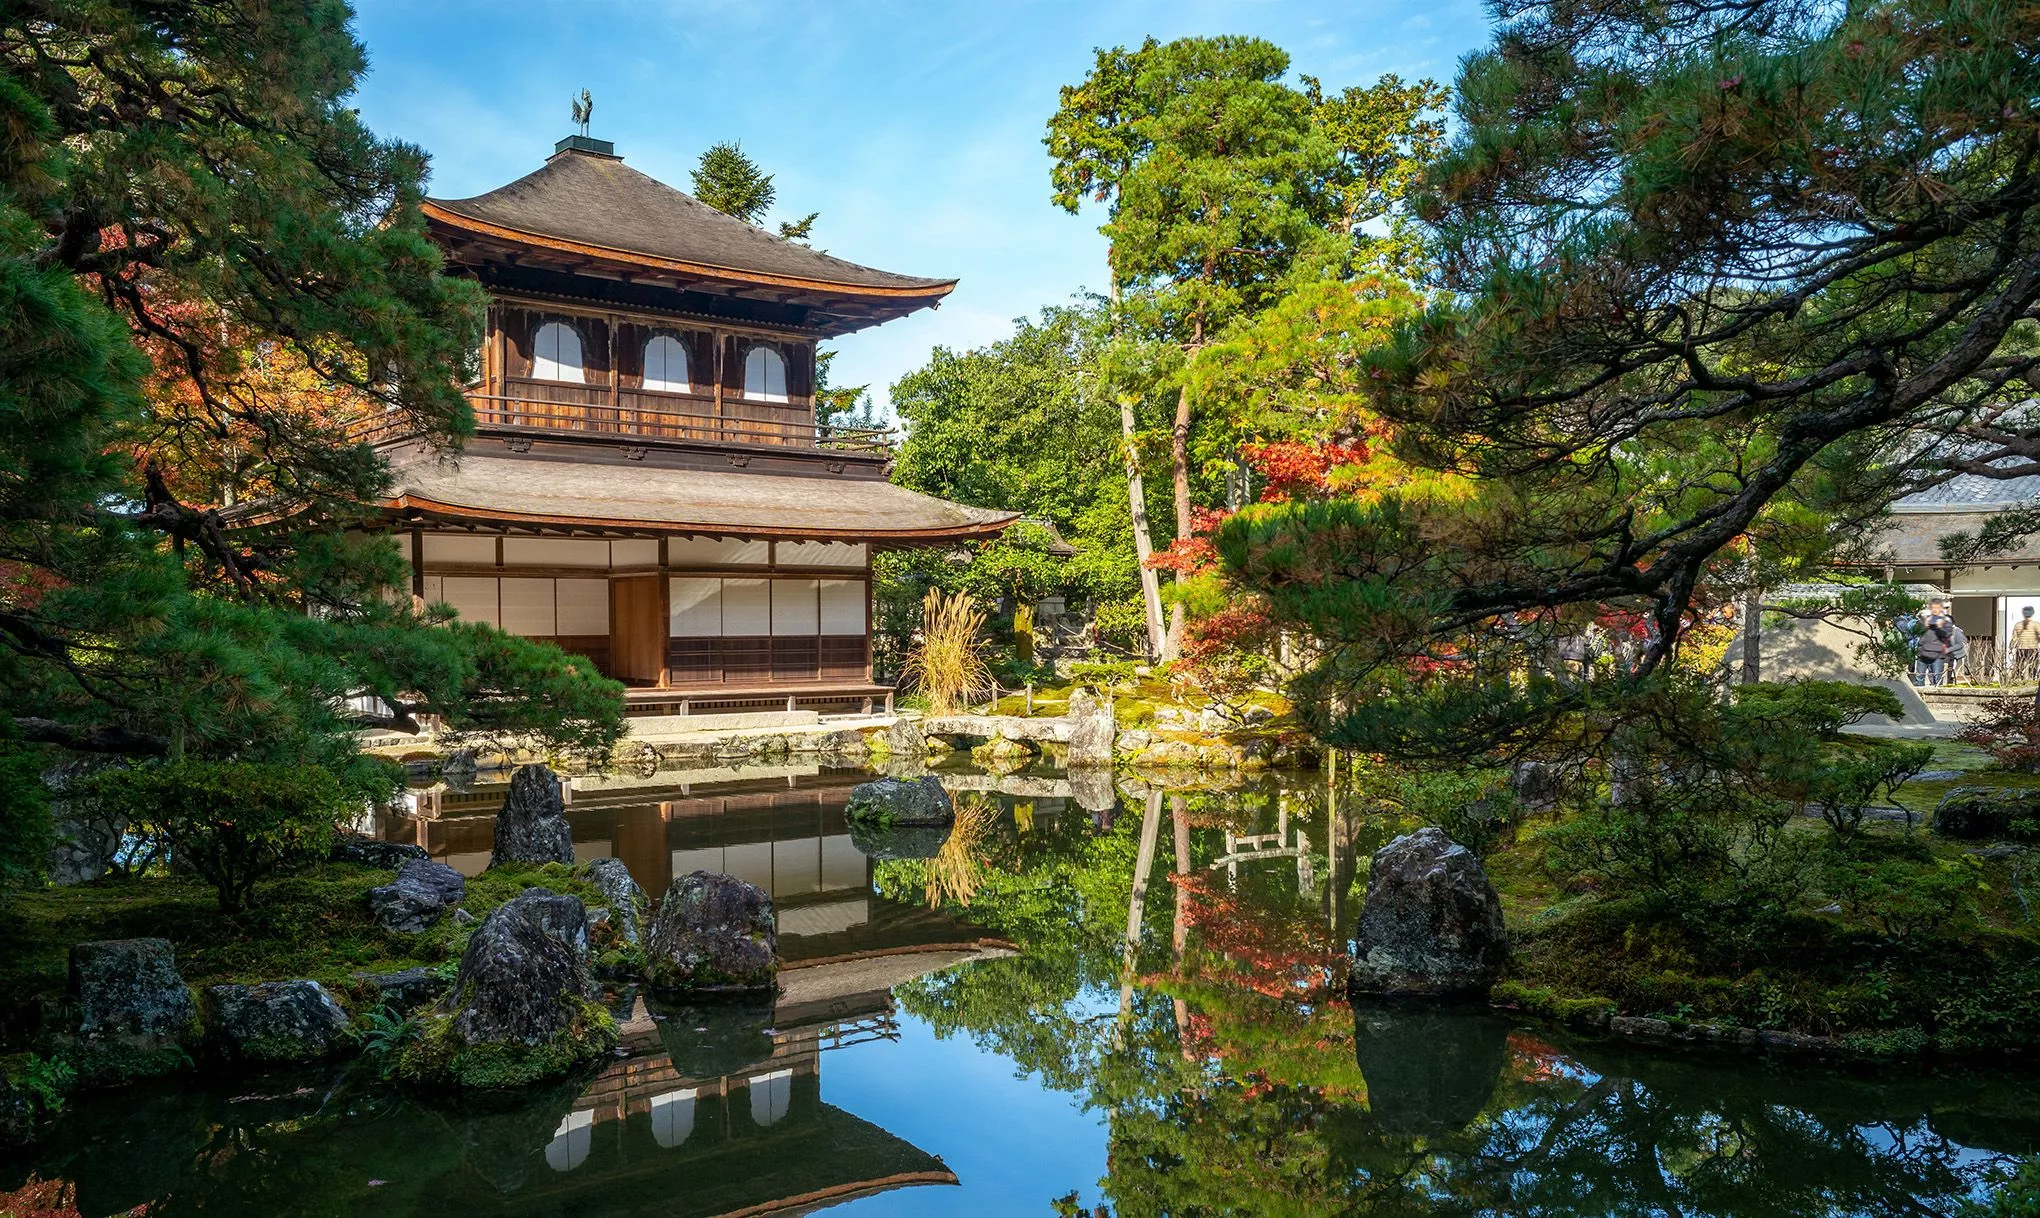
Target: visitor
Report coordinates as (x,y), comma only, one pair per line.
(1958,652)
(1930,658)
(2025,646)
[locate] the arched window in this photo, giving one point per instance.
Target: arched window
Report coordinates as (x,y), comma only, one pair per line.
(556,353)
(765,375)
(666,364)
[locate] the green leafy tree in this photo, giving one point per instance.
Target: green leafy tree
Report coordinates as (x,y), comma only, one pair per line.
(1217,177)
(1719,275)
(209,268)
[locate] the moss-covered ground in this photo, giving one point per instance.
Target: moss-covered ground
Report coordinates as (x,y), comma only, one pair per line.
(1964,985)
(314,924)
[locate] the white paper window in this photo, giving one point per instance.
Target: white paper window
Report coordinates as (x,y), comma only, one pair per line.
(673,1117)
(765,375)
(842,606)
(666,364)
(771,1096)
(461,548)
(583,606)
(528,607)
(695,608)
(556,353)
(434,589)
(820,554)
(746,607)
(572,1141)
(554,552)
(473,597)
(793,607)
(637,552)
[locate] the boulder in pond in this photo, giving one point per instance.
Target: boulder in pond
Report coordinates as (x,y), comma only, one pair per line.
(1429,1073)
(390,855)
(273,1022)
(1979,813)
(900,802)
(521,1010)
(628,904)
(532,825)
(421,894)
(1431,926)
(713,932)
(135,1014)
(885,843)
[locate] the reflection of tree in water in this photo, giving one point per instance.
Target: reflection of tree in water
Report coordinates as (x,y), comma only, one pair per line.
(1234,1082)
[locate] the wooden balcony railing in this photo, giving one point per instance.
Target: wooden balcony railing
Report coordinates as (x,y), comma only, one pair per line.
(589,410)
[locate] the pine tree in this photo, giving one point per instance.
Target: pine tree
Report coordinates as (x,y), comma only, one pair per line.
(208,266)
(732,183)
(1722,279)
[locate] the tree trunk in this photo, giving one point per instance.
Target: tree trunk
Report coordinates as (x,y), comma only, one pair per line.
(1143,543)
(1752,640)
(1179,472)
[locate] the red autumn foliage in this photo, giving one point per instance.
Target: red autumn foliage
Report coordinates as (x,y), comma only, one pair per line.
(1296,470)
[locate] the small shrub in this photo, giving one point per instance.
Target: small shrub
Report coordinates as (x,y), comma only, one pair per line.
(230,822)
(384,1035)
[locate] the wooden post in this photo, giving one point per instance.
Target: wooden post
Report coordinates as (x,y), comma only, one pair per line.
(1028,713)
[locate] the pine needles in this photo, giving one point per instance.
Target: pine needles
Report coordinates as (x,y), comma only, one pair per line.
(944,665)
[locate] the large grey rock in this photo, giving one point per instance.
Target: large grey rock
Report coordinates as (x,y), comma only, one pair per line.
(273,1022)
(418,898)
(532,826)
(903,739)
(1976,813)
(1432,925)
(884,843)
(392,855)
(1091,730)
(130,988)
(628,904)
(524,977)
(713,932)
(900,803)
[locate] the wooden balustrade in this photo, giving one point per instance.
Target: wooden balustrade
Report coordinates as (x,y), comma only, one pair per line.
(586,409)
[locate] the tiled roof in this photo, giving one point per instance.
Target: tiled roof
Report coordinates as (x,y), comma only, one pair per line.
(1972,491)
(598,202)
(1914,540)
(735,503)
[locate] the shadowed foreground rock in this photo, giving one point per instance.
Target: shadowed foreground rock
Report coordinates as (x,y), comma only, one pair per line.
(1981,813)
(521,1008)
(899,802)
(532,827)
(275,1021)
(1432,925)
(712,932)
(421,894)
(135,1014)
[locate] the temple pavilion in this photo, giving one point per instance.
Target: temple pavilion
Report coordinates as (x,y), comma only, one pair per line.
(649,486)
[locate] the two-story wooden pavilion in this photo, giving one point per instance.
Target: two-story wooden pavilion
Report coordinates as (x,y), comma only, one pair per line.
(649,486)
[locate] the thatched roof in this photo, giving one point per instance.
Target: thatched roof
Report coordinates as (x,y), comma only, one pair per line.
(530,488)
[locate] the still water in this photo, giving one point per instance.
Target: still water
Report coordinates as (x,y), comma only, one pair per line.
(1099,998)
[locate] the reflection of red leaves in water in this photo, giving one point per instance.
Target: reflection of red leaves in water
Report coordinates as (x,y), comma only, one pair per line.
(51,1199)
(1278,955)
(1533,1060)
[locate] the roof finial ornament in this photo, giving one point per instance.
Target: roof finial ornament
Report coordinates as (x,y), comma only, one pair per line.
(584,109)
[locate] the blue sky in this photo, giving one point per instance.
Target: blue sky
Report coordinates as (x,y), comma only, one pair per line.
(913,127)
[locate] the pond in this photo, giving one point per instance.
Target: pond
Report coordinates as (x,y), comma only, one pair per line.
(1099,997)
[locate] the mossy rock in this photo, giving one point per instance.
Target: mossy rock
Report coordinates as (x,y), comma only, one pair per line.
(441,1057)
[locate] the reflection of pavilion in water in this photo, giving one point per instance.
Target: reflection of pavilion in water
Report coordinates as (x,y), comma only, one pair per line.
(731,1097)
(779,827)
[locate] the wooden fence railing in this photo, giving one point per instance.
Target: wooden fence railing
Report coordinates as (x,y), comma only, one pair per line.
(669,417)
